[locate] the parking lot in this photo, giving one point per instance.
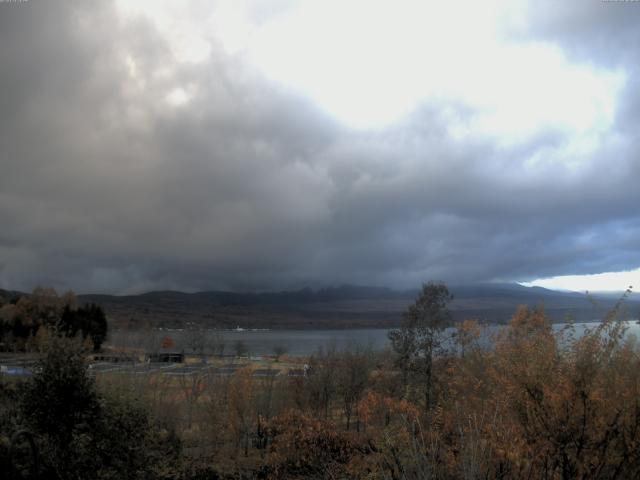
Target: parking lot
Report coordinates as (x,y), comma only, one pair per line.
(23,366)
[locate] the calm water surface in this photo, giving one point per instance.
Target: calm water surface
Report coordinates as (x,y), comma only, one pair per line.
(296,342)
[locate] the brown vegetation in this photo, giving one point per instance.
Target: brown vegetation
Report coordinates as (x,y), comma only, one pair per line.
(535,404)
(26,321)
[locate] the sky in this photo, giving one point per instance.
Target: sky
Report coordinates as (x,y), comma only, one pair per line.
(268,145)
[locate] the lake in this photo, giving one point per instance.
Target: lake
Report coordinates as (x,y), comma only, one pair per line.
(296,342)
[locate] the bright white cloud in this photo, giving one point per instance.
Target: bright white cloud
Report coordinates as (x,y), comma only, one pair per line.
(178,97)
(601,282)
(525,87)
(370,63)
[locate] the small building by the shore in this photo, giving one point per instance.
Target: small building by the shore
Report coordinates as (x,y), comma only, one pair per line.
(166,357)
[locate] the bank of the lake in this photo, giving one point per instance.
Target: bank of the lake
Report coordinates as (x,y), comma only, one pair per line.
(295,342)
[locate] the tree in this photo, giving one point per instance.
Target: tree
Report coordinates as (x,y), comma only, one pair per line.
(192,387)
(467,335)
(88,320)
(240,348)
(81,432)
(167,343)
(304,447)
(278,351)
(23,317)
(352,374)
(420,337)
(61,397)
(196,338)
(44,308)
(95,324)
(217,343)
(240,407)
(321,383)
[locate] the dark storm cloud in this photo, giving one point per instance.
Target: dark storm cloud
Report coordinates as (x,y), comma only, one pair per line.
(105,186)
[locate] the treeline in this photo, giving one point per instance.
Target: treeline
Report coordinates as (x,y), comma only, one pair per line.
(26,321)
(58,425)
(530,404)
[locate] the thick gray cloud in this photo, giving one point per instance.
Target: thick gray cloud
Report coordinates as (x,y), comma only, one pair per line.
(107,186)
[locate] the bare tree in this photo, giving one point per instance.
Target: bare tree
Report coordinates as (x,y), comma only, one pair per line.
(240,348)
(278,351)
(353,372)
(217,343)
(192,386)
(321,379)
(197,338)
(421,336)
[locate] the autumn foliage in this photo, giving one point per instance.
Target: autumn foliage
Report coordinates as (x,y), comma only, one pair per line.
(545,405)
(536,404)
(27,321)
(525,400)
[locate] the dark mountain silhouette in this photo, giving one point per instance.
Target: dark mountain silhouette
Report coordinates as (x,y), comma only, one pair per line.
(10,295)
(345,306)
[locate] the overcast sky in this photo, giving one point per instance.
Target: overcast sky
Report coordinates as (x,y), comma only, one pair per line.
(199,145)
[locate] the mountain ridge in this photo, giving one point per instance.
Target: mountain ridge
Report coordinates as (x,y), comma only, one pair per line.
(343,306)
